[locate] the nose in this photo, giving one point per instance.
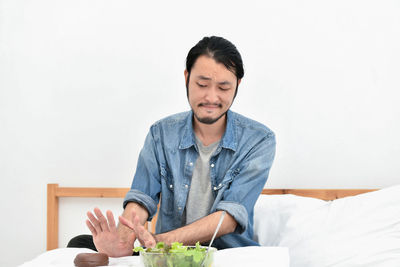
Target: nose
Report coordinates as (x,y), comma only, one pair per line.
(211,94)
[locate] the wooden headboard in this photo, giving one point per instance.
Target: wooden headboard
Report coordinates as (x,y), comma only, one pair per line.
(54,192)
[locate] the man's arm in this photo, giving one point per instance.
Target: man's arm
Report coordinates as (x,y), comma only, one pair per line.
(240,193)
(123,231)
(119,241)
(200,230)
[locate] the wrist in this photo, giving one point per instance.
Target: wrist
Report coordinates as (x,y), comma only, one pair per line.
(139,210)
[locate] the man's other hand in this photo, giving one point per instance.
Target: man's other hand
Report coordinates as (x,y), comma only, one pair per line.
(106,237)
(145,238)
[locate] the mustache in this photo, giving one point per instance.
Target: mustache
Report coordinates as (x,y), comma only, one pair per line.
(210,104)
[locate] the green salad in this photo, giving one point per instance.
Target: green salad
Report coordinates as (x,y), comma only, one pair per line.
(176,255)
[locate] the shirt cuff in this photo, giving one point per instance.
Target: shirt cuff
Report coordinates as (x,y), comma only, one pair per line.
(144,200)
(238,212)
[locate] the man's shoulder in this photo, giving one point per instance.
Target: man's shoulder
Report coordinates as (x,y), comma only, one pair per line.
(248,124)
(175,120)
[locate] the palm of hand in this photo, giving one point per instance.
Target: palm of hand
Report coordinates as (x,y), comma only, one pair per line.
(106,238)
(114,246)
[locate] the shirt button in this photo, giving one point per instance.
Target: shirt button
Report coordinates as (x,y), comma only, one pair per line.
(215,188)
(186,186)
(219,184)
(179,208)
(170,186)
(212,165)
(190,163)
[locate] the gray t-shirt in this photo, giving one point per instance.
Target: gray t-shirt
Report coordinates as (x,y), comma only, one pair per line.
(200,198)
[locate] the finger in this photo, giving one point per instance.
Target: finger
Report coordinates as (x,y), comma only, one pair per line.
(126,222)
(150,243)
(133,214)
(149,240)
(111,221)
(91,228)
(143,235)
(94,221)
(135,223)
(135,226)
(102,219)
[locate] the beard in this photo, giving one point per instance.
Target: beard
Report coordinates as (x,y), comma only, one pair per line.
(208,120)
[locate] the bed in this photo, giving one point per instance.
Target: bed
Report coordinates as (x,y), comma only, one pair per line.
(306,227)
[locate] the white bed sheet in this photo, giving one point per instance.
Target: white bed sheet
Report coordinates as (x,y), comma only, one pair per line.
(235,257)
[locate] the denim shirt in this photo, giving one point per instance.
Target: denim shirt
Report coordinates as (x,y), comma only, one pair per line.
(239,169)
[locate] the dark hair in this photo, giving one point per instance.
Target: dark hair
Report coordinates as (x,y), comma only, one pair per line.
(222,51)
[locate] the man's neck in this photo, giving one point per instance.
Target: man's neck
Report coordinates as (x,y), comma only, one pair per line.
(209,133)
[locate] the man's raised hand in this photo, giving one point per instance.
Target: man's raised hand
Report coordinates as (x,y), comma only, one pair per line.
(106,237)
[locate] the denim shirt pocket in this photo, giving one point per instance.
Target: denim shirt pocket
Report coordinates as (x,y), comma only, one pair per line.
(167,187)
(228,179)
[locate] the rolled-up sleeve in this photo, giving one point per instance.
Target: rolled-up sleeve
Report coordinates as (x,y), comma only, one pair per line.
(237,211)
(247,181)
(144,200)
(146,187)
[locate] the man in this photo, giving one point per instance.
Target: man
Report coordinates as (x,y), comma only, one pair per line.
(200,163)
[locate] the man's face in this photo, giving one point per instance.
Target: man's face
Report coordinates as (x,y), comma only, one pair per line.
(211,89)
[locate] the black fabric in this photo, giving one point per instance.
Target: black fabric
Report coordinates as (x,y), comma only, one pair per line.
(82,241)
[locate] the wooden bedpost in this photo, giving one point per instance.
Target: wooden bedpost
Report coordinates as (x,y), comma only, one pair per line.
(52,216)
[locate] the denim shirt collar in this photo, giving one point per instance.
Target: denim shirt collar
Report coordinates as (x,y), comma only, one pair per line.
(228,140)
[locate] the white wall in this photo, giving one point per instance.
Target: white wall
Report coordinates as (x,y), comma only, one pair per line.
(81,81)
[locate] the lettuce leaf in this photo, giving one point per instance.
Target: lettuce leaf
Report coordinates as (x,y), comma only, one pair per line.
(176,255)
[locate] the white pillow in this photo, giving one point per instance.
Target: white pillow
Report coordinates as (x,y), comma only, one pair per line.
(362,230)
(271,213)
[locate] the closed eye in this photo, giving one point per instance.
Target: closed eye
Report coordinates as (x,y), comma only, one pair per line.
(201,85)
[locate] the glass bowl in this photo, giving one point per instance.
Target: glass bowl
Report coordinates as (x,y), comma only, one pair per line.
(190,258)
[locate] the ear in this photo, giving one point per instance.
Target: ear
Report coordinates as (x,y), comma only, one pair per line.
(186,73)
